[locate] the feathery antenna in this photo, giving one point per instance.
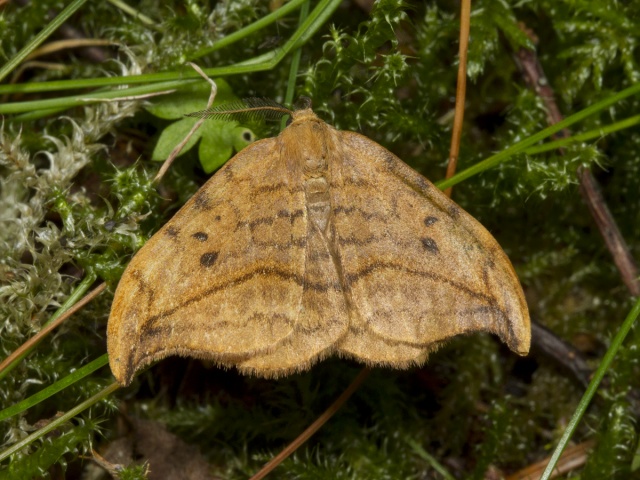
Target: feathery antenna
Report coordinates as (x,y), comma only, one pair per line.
(246,110)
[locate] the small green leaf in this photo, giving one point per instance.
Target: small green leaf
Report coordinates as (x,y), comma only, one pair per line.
(192,98)
(172,135)
(215,148)
(219,137)
(241,137)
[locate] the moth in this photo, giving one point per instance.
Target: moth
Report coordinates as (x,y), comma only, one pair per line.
(313,243)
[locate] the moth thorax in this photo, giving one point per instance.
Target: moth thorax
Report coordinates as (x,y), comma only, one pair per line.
(307,143)
(315,165)
(316,191)
(314,158)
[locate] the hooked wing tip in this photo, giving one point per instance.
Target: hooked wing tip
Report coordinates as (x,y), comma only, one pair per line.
(123,369)
(518,335)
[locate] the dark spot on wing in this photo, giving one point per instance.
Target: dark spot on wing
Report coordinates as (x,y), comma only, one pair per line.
(428,221)
(202,200)
(423,183)
(200,236)
(172,232)
(159,332)
(208,259)
(389,157)
(454,211)
(430,245)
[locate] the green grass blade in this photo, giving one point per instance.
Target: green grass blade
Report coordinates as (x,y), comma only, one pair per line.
(547,132)
(55,388)
(316,19)
(133,12)
(293,70)
(583,137)
(249,29)
(59,421)
(8,67)
(616,343)
(90,98)
(430,459)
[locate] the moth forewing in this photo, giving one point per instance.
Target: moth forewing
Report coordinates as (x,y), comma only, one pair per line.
(308,244)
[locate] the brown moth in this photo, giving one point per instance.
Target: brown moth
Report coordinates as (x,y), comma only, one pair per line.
(313,243)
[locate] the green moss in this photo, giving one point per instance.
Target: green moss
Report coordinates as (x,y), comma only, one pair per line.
(55,450)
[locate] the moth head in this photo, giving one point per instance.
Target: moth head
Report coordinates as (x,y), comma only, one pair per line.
(303,103)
